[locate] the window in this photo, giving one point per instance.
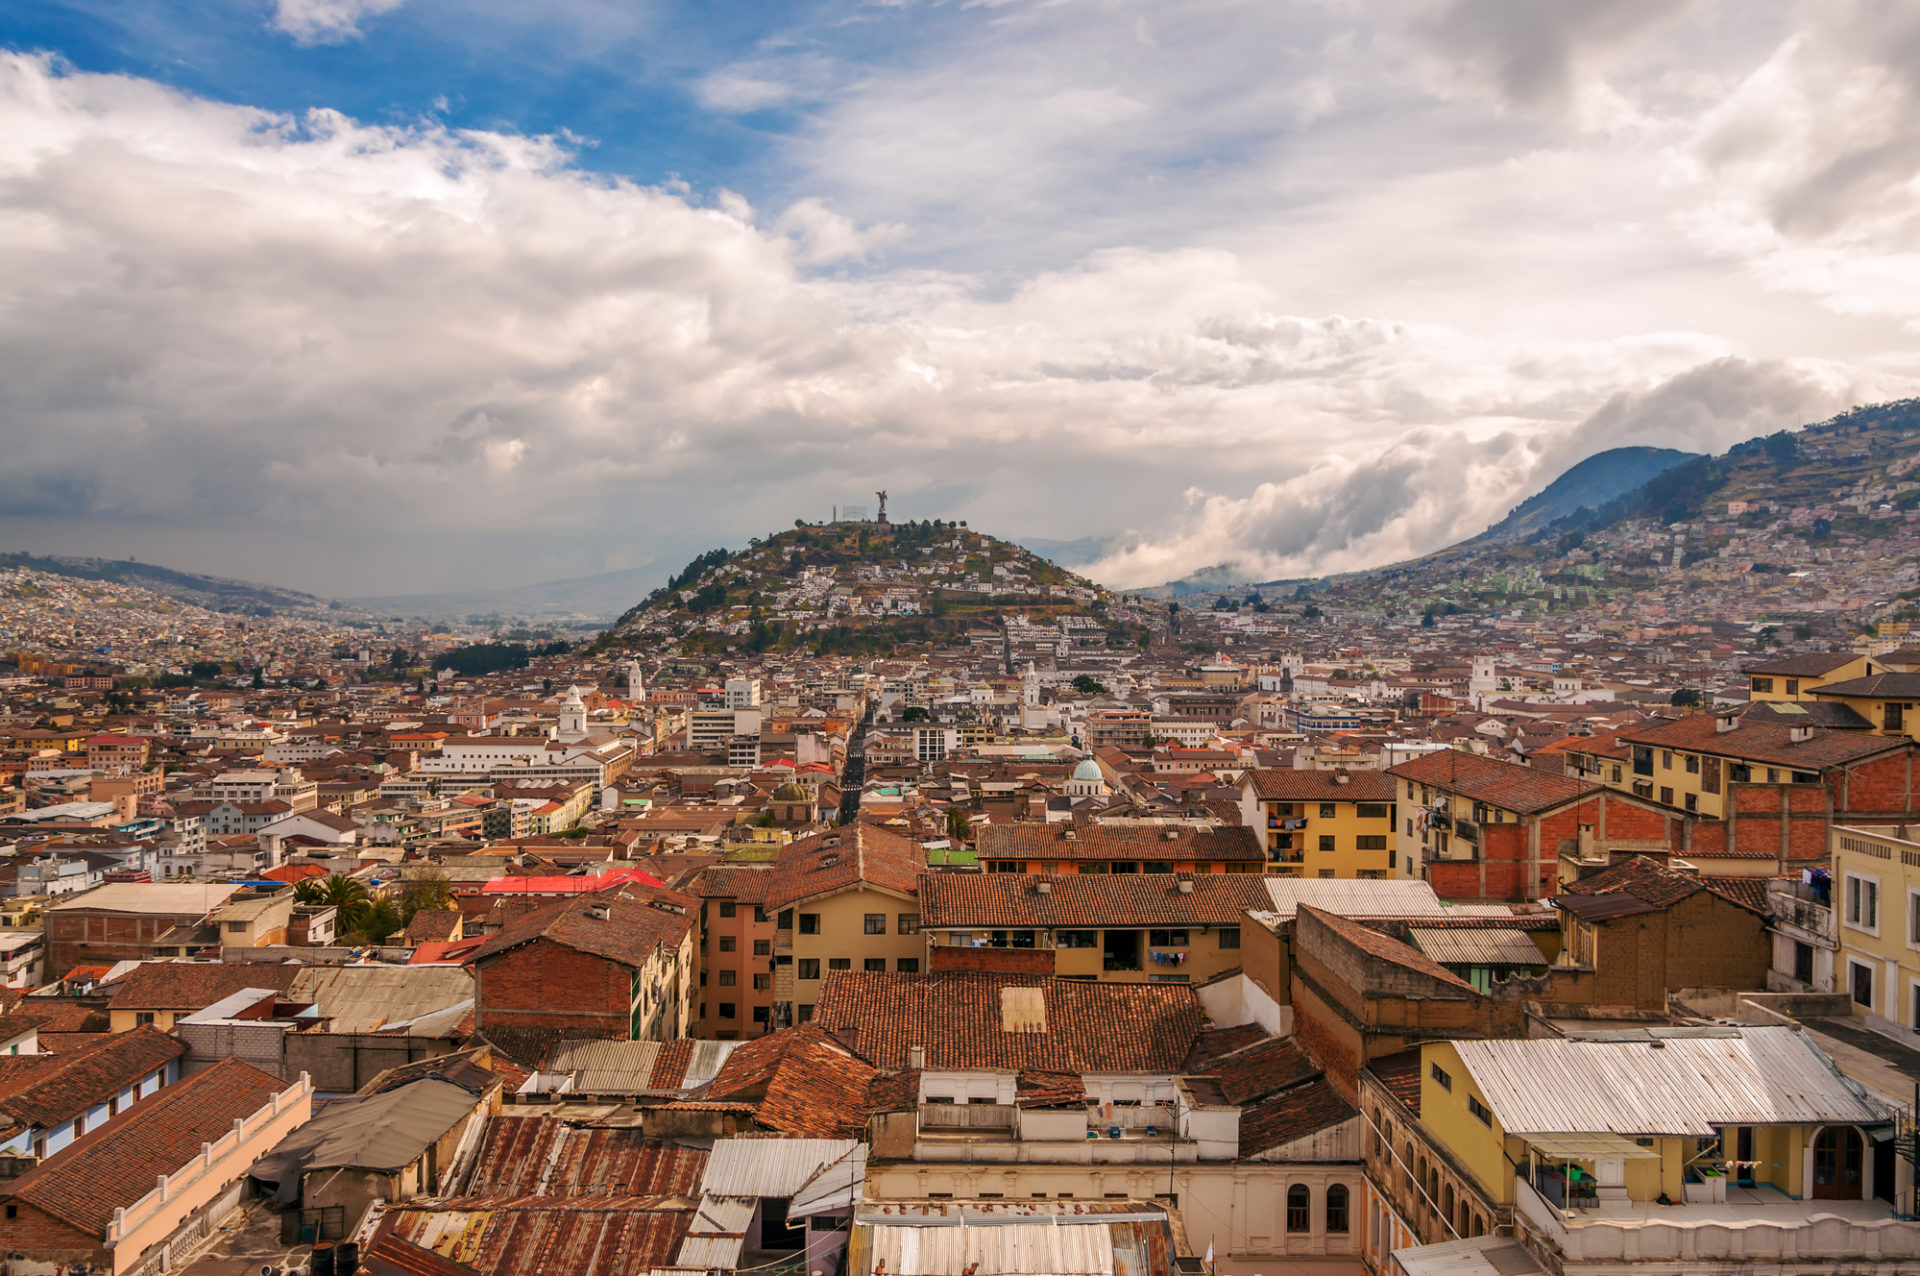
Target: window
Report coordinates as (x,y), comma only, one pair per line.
(1326,841)
(1642,759)
(727,1010)
(1299,1208)
(762,1014)
(1616,775)
(907,965)
(762,982)
(1229,937)
(1666,795)
(876,923)
(803,1012)
(762,947)
(727,908)
(703,979)
(1370,842)
(1481,1112)
(142,1018)
(1328,810)
(1337,1208)
(807,968)
(908,923)
(1076,939)
(1860,980)
(1896,717)
(1693,801)
(1739,773)
(1763,685)
(728,978)
(728,943)
(1863,903)
(1371,810)
(760,914)
(809,923)
(786,920)
(1693,764)
(1666,759)
(1167,938)
(875,965)
(1440,1077)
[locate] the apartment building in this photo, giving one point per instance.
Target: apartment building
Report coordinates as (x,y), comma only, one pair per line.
(1338,824)
(1128,928)
(1794,678)
(737,934)
(847,900)
(1876,923)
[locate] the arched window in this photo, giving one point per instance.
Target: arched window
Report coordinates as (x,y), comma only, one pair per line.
(1479,1225)
(1446,1202)
(1299,1208)
(1337,1208)
(1462,1229)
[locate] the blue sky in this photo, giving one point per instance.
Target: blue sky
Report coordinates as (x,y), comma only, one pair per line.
(395,295)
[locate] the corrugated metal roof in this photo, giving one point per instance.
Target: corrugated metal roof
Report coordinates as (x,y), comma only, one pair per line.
(837,1186)
(1477,1256)
(723,1215)
(1489,946)
(708,1058)
(1682,1084)
(366,998)
(768,1167)
(606,1067)
(1019,1248)
(1357,898)
(722,1252)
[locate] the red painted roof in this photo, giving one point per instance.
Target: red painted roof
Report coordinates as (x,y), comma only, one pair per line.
(567,885)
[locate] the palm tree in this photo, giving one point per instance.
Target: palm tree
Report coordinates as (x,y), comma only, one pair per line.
(343,893)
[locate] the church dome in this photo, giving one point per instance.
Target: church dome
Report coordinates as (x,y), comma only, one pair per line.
(1088,770)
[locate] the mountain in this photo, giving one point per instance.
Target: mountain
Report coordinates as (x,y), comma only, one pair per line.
(1590,484)
(1818,527)
(215,593)
(861,588)
(586,599)
(1076,553)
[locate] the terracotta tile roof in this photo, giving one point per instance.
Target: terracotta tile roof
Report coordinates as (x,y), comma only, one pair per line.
(1215,1042)
(820,1090)
(1652,883)
(1400,1074)
(117,1165)
(1036,1088)
(45,1094)
(1274,1064)
(1322,786)
(842,859)
(747,885)
(641,919)
(433,924)
(1383,947)
(1089,899)
(1119,842)
(1507,785)
(1769,741)
(1291,1114)
(968,1020)
(195,985)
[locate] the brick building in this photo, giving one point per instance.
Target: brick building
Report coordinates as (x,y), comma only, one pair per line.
(124,921)
(1638,931)
(618,965)
(1477,828)
(735,996)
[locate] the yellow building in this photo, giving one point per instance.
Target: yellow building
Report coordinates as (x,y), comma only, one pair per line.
(1887,703)
(1876,911)
(1322,823)
(1598,1147)
(1796,677)
(842,900)
(1117,928)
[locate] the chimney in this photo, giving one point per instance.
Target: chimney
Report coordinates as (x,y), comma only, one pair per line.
(1799,733)
(1045,888)
(1341,777)
(1068,836)
(916,1057)
(600,912)
(1726,722)
(1173,835)
(1186,886)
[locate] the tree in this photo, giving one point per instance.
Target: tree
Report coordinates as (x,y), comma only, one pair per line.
(1685,698)
(1087,685)
(429,892)
(915,713)
(259,681)
(377,921)
(959,825)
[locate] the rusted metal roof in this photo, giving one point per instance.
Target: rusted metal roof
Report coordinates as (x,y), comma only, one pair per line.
(523,1155)
(581,1236)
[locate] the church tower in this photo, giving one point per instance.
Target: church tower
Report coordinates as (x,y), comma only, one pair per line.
(573,717)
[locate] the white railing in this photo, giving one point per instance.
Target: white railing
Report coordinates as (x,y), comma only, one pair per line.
(131,1217)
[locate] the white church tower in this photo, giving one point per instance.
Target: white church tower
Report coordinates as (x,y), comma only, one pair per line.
(636,683)
(1030,686)
(573,717)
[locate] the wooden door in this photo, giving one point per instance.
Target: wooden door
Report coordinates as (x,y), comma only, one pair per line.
(1837,1156)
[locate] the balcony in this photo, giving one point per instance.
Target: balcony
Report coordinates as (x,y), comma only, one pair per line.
(1754,1226)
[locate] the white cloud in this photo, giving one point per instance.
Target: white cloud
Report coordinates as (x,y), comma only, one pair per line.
(327,21)
(1041,274)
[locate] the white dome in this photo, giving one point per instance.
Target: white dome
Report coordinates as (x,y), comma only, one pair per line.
(1088,770)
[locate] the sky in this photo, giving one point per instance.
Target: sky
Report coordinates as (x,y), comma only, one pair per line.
(395,296)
